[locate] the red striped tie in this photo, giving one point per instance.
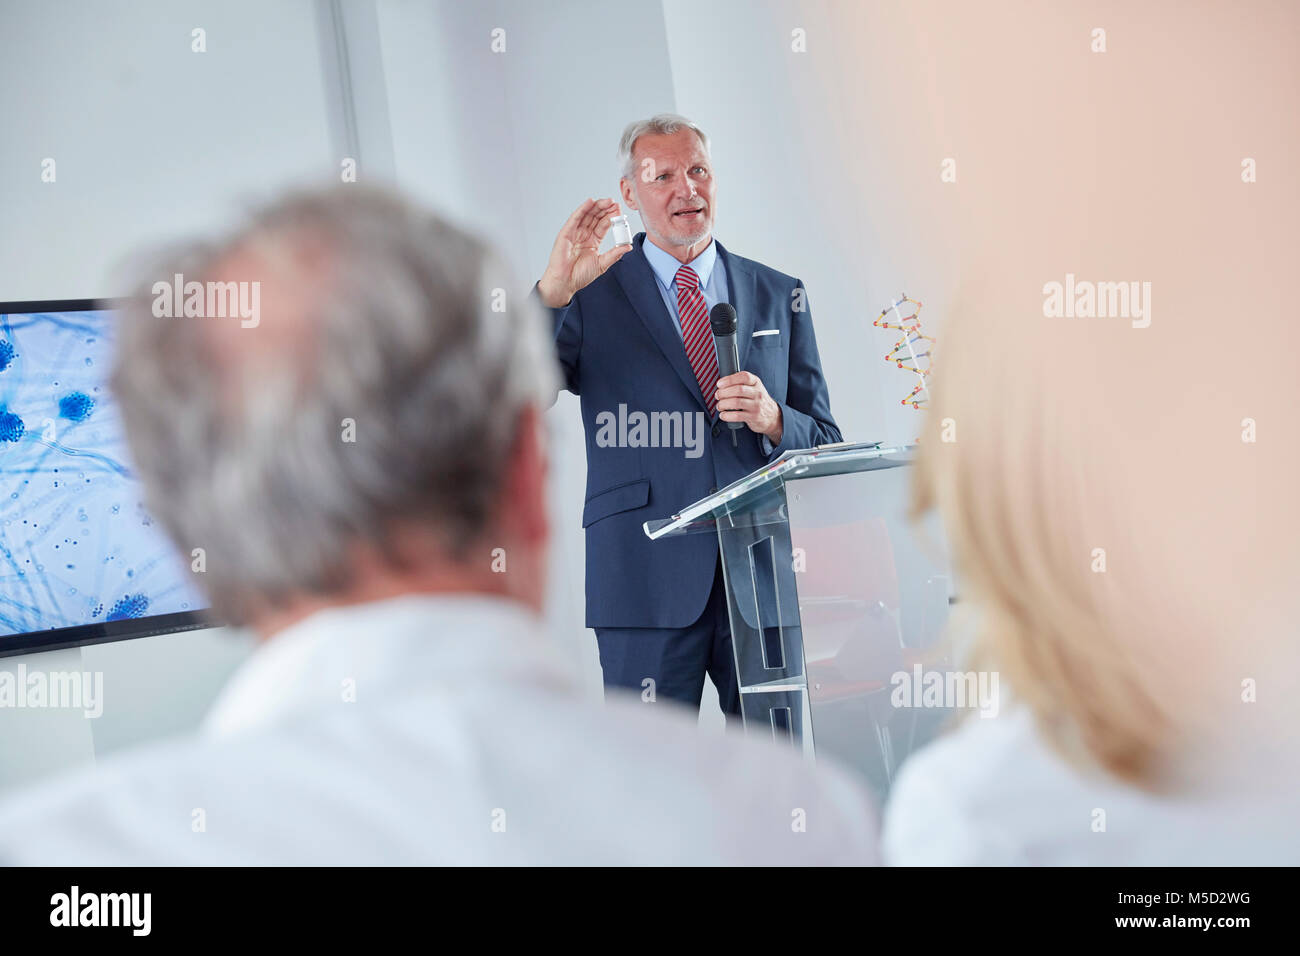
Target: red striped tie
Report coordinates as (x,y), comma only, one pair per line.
(697,335)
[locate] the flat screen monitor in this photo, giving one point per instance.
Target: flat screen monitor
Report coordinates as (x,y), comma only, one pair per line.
(81,561)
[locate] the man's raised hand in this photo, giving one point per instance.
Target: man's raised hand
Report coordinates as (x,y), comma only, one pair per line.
(575,258)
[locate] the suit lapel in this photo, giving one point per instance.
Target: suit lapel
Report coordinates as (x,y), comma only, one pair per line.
(743,296)
(637,279)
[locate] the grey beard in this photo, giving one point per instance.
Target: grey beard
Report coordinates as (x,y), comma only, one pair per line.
(689,241)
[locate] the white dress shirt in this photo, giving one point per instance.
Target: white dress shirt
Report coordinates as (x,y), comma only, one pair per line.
(438,730)
(994,793)
(708,267)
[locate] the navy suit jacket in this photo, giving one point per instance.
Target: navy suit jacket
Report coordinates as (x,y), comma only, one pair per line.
(617,346)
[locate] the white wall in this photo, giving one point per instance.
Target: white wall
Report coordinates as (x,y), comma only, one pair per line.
(150,140)
(794,196)
(153,140)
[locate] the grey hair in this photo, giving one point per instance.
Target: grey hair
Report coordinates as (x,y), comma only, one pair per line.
(399,322)
(659,123)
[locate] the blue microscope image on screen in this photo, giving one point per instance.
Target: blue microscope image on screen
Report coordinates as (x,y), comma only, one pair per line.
(76,546)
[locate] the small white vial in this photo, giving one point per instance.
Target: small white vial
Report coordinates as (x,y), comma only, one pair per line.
(622,230)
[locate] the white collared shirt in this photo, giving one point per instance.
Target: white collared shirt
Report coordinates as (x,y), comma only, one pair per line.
(994,793)
(438,730)
(708,267)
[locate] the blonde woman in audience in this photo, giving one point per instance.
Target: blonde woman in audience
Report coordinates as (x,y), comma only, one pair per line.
(1126,547)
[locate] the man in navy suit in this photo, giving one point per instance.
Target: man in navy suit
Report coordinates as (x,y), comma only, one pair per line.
(631,333)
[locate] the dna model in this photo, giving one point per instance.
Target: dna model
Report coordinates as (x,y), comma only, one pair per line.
(913,350)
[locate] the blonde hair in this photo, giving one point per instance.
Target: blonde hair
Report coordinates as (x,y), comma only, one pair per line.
(1105,517)
(1024,499)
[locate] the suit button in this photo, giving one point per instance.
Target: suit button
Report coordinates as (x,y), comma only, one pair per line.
(716,428)
(713,490)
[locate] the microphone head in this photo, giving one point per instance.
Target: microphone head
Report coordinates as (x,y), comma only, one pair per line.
(723,319)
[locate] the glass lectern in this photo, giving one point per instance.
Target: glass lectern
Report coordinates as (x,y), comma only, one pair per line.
(832,594)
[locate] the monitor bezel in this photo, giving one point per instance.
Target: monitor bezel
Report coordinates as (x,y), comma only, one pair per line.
(83,635)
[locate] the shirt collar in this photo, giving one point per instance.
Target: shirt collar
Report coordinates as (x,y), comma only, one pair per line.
(665,266)
(368,653)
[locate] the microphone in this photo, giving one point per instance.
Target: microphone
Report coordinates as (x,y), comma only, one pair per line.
(723,321)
